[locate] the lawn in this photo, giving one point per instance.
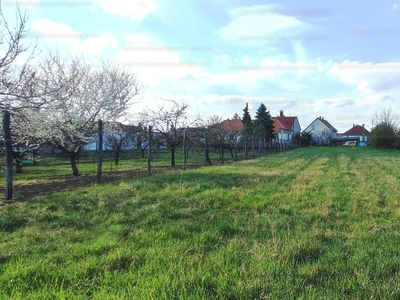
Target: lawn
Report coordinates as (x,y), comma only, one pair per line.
(312,223)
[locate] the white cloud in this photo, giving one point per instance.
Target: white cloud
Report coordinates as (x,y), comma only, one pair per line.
(56,32)
(395,6)
(132,9)
(69,40)
(369,78)
(97,44)
(155,64)
(257,29)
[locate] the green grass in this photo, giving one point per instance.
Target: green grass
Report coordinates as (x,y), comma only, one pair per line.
(314,223)
(54,168)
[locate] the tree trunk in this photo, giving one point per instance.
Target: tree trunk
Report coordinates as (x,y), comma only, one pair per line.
(230,149)
(207,159)
(172,157)
(72,156)
(18,165)
(116,157)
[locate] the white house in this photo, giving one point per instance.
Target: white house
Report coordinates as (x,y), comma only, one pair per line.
(322,131)
(285,128)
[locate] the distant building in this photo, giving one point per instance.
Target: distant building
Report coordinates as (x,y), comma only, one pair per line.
(285,128)
(322,131)
(356,133)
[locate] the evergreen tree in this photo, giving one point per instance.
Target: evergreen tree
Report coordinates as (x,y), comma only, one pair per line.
(247,127)
(247,122)
(264,125)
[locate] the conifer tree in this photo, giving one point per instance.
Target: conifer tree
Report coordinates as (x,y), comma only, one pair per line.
(263,127)
(247,127)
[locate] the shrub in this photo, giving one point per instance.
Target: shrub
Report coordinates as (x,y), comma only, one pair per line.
(382,136)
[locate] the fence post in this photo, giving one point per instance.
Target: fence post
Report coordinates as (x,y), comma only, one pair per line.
(184,148)
(149,152)
(235,147)
(100,153)
(9,156)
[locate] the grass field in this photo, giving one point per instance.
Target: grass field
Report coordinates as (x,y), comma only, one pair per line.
(54,168)
(312,223)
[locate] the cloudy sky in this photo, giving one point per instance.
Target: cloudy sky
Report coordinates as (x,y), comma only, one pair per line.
(336,60)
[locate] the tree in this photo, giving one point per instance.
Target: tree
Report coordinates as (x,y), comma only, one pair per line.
(303,139)
(382,136)
(140,139)
(119,136)
(248,128)
(168,124)
(387,116)
(236,116)
(85,93)
(263,125)
(21,85)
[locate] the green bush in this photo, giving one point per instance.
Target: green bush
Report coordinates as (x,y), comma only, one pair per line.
(382,136)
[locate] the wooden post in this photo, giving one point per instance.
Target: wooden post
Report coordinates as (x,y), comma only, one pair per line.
(8,153)
(184,148)
(235,147)
(149,152)
(100,151)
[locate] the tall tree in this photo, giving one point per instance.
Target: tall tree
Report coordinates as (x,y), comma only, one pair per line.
(387,116)
(263,125)
(248,128)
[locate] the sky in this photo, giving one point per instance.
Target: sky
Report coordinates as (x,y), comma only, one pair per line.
(338,60)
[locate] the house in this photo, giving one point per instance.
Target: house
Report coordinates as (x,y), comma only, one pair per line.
(322,131)
(232,125)
(285,128)
(356,133)
(115,134)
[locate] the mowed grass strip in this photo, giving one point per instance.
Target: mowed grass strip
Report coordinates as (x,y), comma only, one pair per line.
(307,224)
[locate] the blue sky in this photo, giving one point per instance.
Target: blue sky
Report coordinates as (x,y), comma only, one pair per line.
(336,60)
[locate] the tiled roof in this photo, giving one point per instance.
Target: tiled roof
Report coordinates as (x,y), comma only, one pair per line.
(284,122)
(232,125)
(277,125)
(356,130)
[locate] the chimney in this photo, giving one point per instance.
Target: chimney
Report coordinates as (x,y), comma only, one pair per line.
(354,124)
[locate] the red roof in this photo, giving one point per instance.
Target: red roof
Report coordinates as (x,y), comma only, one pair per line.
(356,130)
(283,123)
(277,125)
(232,125)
